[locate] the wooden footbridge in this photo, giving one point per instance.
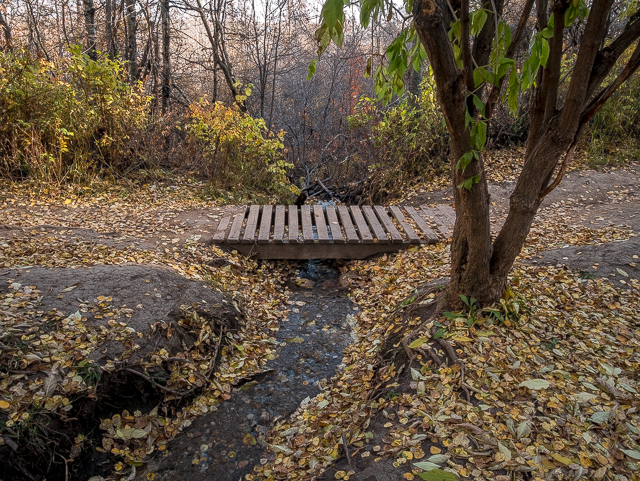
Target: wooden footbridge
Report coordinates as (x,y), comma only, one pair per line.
(331,232)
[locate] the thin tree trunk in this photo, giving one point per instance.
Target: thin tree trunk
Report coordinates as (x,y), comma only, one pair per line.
(109,16)
(166,65)
(132,45)
(34,33)
(218,45)
(6,29)
(90,27)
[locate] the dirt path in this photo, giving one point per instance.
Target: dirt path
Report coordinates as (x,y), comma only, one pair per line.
(592,199)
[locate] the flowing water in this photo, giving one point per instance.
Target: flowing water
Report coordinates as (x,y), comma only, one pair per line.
(225,445)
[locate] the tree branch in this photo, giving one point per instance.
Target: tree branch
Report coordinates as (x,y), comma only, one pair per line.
(609,55)
(551,73)
(568,157)
(465,45)
(589,46)
(495,90)
(606,93)
(484,41)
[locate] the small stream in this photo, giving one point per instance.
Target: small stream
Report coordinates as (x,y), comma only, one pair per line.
(226,444)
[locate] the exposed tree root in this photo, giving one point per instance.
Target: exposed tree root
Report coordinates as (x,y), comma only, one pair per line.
(396,347)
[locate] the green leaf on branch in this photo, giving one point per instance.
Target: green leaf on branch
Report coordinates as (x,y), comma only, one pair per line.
(578,9)
(455,31)
(548,31)
(479,104)
(503,66)
(478,19)
(479,135)
(481,75)
(466,160)
(512,92)
(470,182)
(544,52)
(368,9)
(332,25)
(367,70)
(312,69)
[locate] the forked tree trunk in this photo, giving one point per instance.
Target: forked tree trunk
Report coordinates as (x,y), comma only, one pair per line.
(479,267)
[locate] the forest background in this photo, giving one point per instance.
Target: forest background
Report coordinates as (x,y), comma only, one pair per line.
(218,88)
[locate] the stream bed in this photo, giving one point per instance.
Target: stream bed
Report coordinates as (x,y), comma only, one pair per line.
(226,444)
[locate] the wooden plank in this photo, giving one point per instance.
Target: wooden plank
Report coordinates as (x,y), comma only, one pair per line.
(396,238)
(334,225)
(440,221)
(349,229)
(265,225)
(278,225)
(236,226)
(431,236)
(307,225)
(221,231)
(321,224)
(399,216)
(314,250)
(365,235)
(377,229)
(449,213)
(252,223)
(292,219)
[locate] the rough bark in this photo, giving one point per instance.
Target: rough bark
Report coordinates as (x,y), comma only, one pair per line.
(132,42)
(90,28)
(471,245)
(6,31)
(479,267)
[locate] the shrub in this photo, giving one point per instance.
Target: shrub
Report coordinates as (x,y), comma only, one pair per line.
(67,119)
(615,129)
(410,138)
(239,153)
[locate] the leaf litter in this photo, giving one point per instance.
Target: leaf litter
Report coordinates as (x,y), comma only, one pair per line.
(45,356)
(554,384)
(553,376)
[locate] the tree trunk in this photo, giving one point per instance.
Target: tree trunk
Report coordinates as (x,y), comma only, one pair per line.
(471,245)
(90,27)
(132,45)
(166,66)
(479,268)
(109,13)
(413,85)
(6,30)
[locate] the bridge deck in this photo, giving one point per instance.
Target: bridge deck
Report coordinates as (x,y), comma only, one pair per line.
(331,232)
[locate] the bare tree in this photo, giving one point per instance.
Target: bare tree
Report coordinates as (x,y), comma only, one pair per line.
(213,21)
